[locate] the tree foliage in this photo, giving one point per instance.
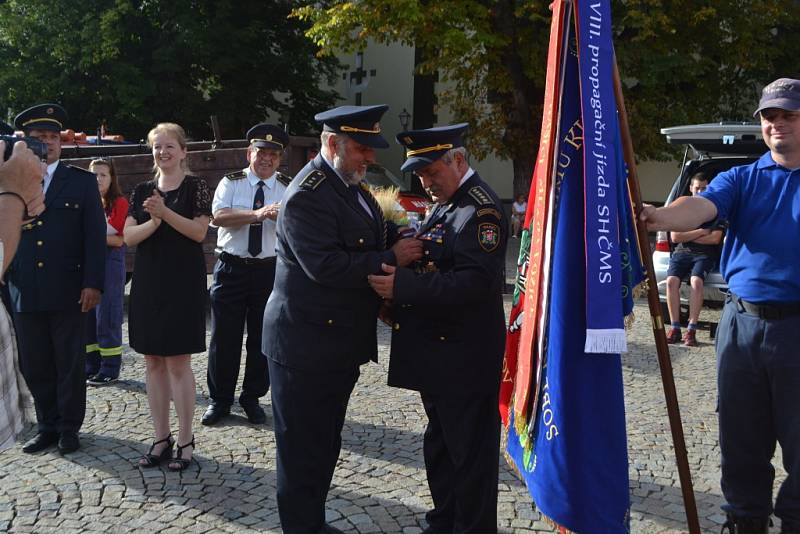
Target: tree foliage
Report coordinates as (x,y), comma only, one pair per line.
(681,61)
(132,63)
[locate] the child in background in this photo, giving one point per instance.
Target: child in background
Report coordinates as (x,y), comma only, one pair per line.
(518,209)
(104,323)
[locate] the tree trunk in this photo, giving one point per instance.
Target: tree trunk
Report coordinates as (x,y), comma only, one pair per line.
(523,172)
(519,104)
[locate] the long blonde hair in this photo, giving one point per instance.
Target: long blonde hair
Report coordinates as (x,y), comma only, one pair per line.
(173,130)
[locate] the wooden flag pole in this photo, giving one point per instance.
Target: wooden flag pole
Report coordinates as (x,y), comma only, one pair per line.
(664,363)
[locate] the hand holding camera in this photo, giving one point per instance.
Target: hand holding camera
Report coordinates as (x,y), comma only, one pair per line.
(38,148)
(21,173)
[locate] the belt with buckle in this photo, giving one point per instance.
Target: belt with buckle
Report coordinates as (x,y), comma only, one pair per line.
(767,310)
(238,260)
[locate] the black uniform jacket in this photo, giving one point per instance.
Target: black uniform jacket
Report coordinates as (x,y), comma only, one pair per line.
(322,313)
(64,249)
(449,329)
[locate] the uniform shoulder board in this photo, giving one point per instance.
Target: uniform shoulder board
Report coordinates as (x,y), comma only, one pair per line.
(238,175)
(312,180)
(282,178)
(481,196)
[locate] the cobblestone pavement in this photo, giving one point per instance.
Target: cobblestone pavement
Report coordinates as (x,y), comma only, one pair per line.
(379,484)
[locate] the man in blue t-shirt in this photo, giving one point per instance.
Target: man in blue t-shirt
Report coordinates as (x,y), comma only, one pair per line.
(759,334)
(695,254)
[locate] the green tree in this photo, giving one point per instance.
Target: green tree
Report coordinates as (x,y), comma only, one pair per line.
(681,61)
(132,63)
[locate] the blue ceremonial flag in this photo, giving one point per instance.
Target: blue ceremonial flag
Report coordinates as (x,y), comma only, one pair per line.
(573,455)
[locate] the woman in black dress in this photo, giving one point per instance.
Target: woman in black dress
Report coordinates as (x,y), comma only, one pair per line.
(167,221)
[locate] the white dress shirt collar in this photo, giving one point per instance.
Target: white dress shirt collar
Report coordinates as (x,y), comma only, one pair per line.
(48,177)
(253,178)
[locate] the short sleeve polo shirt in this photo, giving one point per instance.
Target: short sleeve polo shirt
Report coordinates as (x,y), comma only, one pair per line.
(761,255)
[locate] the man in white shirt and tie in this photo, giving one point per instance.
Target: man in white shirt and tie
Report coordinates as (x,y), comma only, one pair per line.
(245,208)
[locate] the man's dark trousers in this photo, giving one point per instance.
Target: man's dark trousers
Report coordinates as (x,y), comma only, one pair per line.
(308,414)
(759,395)
(461,447)
(51,345)
(238,295)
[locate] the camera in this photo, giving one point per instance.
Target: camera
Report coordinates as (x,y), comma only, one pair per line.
(39,148)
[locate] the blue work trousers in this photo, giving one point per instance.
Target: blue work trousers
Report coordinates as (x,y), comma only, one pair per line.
(104,322)
(758,380)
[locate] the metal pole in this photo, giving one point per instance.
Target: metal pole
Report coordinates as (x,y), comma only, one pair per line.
(664,363)
(216,131)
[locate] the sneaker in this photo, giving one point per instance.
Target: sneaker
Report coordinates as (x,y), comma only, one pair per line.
(90,377)
(674,336)
(690,339)
(100,380)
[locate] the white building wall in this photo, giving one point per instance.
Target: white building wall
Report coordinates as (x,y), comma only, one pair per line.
(393,84)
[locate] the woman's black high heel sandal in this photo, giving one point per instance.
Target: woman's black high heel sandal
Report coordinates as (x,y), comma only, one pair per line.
(179,463)
(153,460)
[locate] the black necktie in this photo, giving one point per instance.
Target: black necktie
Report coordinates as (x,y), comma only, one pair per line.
(254,239)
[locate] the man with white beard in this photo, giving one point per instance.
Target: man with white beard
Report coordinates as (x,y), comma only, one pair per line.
(319,323)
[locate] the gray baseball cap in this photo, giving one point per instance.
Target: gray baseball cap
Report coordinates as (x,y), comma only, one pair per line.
(783,93)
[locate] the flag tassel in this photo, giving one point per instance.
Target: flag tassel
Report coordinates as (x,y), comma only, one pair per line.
(606,341)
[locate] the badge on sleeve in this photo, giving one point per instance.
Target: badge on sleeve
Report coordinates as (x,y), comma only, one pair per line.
(488,236)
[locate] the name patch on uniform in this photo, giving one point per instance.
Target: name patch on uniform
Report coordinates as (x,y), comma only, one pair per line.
(488,236)
(436,233)
(488,211)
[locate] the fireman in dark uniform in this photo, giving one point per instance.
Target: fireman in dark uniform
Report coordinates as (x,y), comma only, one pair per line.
(54,280)
(246,205)
(320,321)
(448,330)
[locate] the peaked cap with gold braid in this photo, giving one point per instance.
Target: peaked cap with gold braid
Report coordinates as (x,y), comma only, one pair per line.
(423,147)
(265,135)
(361,123)
(41,117)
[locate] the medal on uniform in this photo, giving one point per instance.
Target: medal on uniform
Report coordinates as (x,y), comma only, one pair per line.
(435,234)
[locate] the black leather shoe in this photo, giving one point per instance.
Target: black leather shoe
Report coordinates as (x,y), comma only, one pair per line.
(68,442)
(214,413)
(255,413)
(330,529)
(40,442)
